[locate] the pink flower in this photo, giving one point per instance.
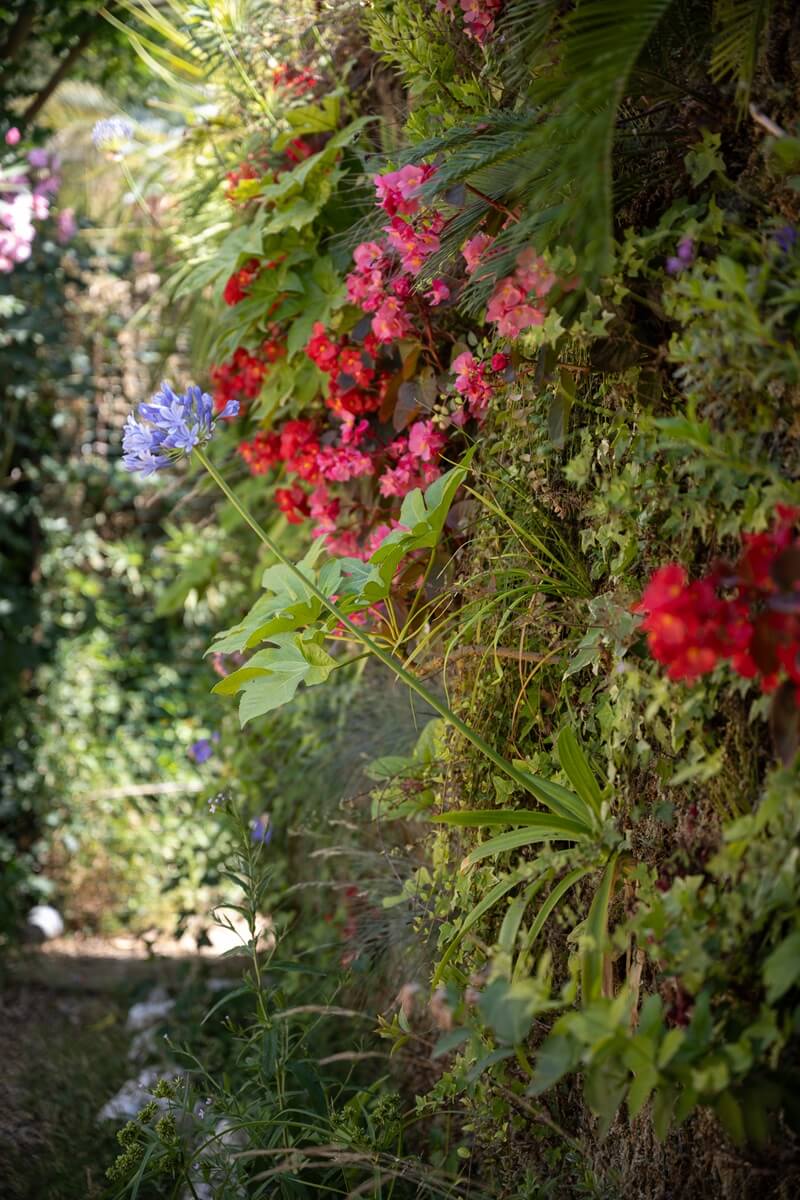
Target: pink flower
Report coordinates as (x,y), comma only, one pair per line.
(397,191)
(402,287)
(376,537)
(341,463)
(533,273)
(399,480)
(438,294)
(365,289)
(413,246)
(12,136)
(367,255)
(425,442)
(390,321)
(500,361)
(475,249)
(346,545)
(479,18)
(472,384)
(67,225)
(324,509)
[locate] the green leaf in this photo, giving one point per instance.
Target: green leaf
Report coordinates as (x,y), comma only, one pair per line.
(641,1089)
(272,676)
(509,1008)
(557,1056)
(558,892)
(781,970)
(479,818)
(450,1041)
(596,930)
(731,1118)
(496,893)
(579,772)
(663,1105)
(553,830)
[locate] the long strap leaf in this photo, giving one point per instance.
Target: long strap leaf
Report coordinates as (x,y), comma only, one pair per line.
(597,931)
(558,892)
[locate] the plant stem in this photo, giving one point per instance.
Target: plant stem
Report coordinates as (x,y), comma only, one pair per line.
(522,778)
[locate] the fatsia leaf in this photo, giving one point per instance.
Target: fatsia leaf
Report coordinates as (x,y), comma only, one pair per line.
(273,675)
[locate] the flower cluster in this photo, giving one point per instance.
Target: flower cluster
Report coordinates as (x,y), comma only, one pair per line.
(242,375)
(509,304)
(240,174)
(112,134)
(747,613)
(474,385)
(357,384)
(682,258)
(240,282)
(479,16)
(28,199)
(171,425)
(295,80)
(398,191)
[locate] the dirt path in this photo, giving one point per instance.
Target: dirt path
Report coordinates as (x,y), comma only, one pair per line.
(64,1051)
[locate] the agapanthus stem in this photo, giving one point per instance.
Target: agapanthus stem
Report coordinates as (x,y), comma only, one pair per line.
(522,778)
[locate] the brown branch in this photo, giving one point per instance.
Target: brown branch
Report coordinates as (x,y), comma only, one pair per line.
(19,33)
(62,70)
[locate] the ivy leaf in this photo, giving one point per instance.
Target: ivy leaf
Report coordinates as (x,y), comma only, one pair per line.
(509,1008)
(782,969)
(557,1056)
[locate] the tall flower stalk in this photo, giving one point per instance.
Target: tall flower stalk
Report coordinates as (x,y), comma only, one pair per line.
(173,426)
(522,778)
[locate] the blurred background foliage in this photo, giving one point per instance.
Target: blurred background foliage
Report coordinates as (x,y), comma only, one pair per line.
(652,418)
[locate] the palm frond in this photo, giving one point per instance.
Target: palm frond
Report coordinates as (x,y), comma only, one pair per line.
(738,42)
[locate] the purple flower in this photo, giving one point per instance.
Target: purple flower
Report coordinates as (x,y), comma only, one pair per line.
(786,237)
(261,830)
(38,157)
(684,256)
(175,425)
(67,225)
(201,750)
(112,133)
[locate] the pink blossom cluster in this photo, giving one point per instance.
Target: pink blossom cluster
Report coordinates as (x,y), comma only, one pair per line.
(382,281)
(479,16)
(509,306)
(398,191)
(27,199)
(474,385)
(415,455)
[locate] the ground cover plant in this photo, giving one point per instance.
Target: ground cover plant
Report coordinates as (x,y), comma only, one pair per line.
(468,479)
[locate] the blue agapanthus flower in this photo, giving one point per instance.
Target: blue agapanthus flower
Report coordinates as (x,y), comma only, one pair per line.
(111,133)
(171,426)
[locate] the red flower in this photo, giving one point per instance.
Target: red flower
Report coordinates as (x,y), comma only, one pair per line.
(293,503)
(239,282)
(261,453)
(321,350)
(756,626)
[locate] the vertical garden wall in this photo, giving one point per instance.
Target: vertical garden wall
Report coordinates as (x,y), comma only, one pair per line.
(460,342)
